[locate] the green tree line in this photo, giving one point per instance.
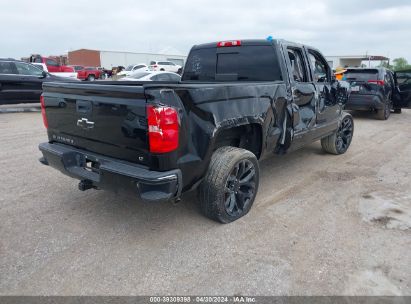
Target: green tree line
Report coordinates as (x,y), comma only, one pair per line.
(397,64)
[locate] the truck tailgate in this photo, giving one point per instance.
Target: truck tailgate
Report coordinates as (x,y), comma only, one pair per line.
(106,119)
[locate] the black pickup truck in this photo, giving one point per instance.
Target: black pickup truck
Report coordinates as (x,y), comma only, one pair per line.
(238,101)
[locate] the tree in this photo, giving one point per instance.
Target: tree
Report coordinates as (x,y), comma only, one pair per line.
(385,64)
(401,64)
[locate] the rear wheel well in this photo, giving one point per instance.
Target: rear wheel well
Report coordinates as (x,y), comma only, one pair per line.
(248,137)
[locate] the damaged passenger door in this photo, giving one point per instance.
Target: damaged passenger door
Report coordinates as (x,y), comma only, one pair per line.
(328,109)
(303,91)
(402,98)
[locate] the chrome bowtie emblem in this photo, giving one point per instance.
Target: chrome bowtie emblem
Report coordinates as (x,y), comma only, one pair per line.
(85,124)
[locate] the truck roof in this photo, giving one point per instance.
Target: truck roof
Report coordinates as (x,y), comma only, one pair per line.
(252,42)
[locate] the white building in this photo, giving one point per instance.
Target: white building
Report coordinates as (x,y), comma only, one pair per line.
(353,61)
(109,59)
(113,58)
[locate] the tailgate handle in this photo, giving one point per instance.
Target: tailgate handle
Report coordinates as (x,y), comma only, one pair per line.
(84,106)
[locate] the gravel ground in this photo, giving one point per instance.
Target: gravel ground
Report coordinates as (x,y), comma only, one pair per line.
(321,225)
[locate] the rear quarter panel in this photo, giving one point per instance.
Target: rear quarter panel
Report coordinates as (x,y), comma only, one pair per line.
(207,109)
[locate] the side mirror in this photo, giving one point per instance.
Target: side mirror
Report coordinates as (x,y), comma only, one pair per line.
(43,74)
(322,78)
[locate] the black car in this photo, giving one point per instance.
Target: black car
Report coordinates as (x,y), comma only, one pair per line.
(21,82)
(402,96)
(372,89)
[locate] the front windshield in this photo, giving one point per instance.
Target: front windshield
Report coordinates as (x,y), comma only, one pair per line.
(129,68)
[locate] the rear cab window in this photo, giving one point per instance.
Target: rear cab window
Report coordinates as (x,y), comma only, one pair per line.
(241,63)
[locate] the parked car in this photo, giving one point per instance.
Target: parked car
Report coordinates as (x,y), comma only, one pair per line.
(153,76)
(43,67)
(402,96)
(21,82)
(133,69)
(89,73)
(164,66)
(372,89)
(238,101)
(52,65)
(104,73)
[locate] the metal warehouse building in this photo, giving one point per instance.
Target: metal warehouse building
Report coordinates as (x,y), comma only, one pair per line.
(353,61)
(109,59)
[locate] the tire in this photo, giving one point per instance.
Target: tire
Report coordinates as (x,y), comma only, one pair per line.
(162,70)
(384,113)
(230,184)
(91,78)
(397,111)
(339,142)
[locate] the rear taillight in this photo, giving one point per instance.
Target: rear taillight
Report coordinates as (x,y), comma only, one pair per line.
(377,82)
(229,43)
(163,127)
(43,112)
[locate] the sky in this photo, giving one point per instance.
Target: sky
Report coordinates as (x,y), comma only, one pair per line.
(346,27)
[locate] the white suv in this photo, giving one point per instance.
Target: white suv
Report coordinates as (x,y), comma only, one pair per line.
(164,66)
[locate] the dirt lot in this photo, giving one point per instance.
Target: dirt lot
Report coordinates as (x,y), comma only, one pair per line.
(321,225)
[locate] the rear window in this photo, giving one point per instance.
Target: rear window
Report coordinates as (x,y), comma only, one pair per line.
(245,63)
(361,75)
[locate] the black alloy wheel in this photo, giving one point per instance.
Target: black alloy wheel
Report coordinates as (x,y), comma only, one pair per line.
(240,188)
(344,134)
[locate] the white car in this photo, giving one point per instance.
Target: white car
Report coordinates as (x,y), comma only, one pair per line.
(133,69)
(42,66)
(164,66)
(153,76)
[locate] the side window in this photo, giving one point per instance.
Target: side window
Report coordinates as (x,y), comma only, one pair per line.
(392,80)
(319,67)
(298,68)
(28,69)
(51,62)
(6,68)
(387,79)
